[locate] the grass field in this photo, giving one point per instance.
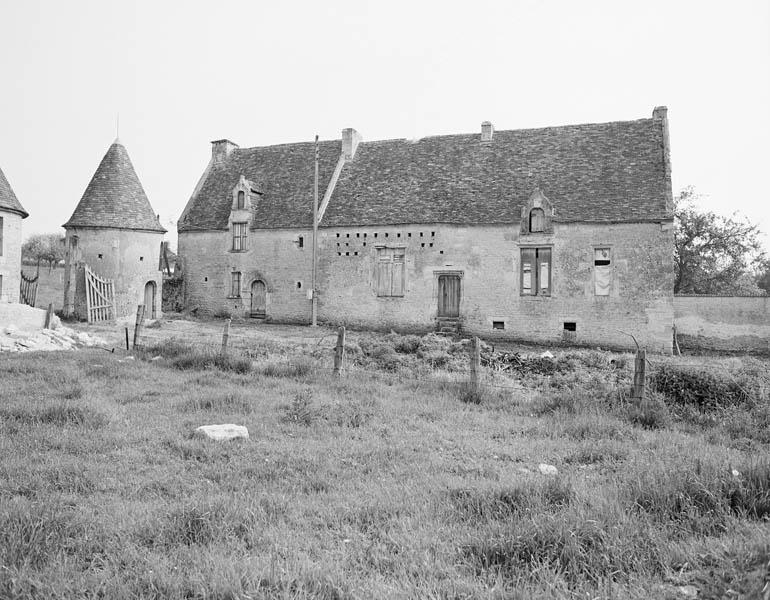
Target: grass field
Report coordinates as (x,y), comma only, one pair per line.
(393,481)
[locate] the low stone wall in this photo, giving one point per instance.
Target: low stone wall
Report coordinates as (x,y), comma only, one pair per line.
(724,323)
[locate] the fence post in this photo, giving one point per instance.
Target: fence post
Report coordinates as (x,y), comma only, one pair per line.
(225,336)
(339,351)
(48,315)
(676,343)
(640,369)
(139,322)
(475,362)
(127,346)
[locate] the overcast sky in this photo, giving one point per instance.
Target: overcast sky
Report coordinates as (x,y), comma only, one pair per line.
(183,73)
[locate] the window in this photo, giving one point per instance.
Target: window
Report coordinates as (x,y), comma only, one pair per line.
(239,236)
(536,220)
(536,271)
(602,273)
(390,271)
(301,242)
(241,200)
(498,324)
(235,286)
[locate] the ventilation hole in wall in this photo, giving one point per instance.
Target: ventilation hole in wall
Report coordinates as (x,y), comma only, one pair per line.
(299,285)
(141,258)
(347,244)
(423,244)
(498,324)
(355,253)
(339,253)
(398,235)
(364,243)
(570,326)
(421,234)
(441,252)
(338,235)
(347,253)
(205,279)
(409,234)
(338,244)
(347,235)
(101,256)
(375,234)
(433,234)
(386,235)
(364,234)
(358,235)
(301,242)
(431,244)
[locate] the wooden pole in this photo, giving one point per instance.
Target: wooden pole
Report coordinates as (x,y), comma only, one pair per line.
(138,325)
(225,337)
(314,299)
(475,362)
(676,343)
(127,346)
(48,315)
(339,352)
(640,369)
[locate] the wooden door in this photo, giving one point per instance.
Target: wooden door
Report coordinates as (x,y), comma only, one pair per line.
(149,300)
(448,295)
(258,299)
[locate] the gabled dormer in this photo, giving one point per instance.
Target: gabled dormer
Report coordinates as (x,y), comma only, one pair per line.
(245,197)
(537,214)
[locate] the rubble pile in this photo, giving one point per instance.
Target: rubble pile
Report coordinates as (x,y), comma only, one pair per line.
(62,338)
(513,362)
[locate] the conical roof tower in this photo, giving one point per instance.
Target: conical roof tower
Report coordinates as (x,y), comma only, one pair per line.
(115,198)
(8,200)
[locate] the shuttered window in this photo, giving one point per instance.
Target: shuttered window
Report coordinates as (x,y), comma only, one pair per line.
(390,271)
(536,220)
(239,236)
(535,276)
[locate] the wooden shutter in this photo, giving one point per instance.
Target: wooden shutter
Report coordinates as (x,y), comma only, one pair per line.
(528,271)
(544,271)
(397,281)
(384,272)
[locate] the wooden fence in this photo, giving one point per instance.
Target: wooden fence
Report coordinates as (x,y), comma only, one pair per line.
(28,291)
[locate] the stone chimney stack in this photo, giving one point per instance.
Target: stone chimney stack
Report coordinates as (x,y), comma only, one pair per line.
(660,114)
(350,140)
(486,131)
(221,149)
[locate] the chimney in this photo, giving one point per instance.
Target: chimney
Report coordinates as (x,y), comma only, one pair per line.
(221,150)
(660,114)
(350,140)
(486,131)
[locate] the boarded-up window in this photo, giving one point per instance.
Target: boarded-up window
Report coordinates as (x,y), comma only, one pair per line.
(536,271)
(536,220)
(241,199)
(602,272)
(235,285)
(239,236)
(390,271)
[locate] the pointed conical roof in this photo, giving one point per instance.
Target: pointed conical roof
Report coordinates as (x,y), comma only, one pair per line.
(8,200)
(115,198)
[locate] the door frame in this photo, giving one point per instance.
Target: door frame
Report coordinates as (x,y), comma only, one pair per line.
(153,311)
(252,313)
(452,272)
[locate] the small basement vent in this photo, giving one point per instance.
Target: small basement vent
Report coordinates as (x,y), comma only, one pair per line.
(570,326)
(498,324)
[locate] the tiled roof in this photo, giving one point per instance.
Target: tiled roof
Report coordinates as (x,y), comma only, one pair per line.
(608,172)
(115,197)
(284,174)
(8,200)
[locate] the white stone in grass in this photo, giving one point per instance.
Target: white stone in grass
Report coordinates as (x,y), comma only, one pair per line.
(224,432)
(547,469)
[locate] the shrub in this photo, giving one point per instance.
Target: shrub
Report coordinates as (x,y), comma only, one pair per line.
(698,387)
(650,413)
(301,410)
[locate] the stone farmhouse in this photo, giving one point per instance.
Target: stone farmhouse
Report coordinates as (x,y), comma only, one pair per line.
(11,214)
(548,235)
(115,232)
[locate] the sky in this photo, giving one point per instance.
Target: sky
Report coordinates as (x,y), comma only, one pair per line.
(180,74)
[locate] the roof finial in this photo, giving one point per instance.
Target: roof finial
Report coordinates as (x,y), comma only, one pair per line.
(117,129)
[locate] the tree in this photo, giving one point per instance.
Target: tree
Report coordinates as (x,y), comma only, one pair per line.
(713,254)
(763,276)
(44,247)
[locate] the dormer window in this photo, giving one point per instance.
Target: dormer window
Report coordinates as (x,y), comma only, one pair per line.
(536,220)
(241,203)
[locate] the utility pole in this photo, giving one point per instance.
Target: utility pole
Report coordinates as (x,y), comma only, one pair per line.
(314,305)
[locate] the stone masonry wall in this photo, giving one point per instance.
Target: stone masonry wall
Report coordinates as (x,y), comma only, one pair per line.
(488,261)
(129,258)
(729,323)
(272,256)
(10,257)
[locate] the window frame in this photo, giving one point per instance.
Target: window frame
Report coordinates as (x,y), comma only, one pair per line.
(391,260)
(240,200)
(535,287)
(235,276)
(541,215)
(608,266)
(240,235)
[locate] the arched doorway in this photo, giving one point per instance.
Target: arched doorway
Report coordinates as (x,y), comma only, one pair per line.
(258,299)
(149,300)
